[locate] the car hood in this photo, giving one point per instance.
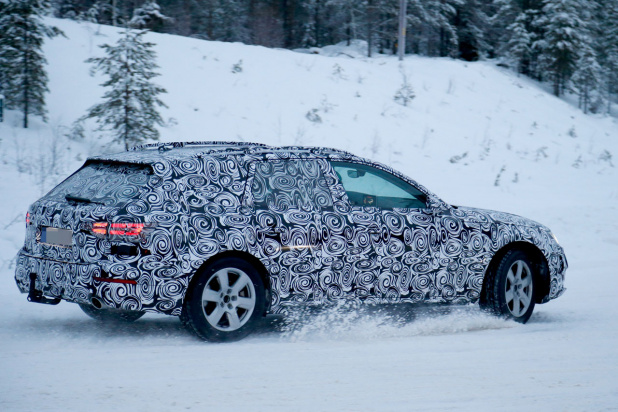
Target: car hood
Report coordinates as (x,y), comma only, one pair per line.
(486,216)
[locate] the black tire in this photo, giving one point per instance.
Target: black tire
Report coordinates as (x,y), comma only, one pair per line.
(217,313)
(184,318)
(111,315)
(509,289)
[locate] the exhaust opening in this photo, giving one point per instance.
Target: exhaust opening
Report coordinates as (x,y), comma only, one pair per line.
(97,303)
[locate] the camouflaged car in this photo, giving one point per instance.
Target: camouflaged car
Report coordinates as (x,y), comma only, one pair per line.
(221,234)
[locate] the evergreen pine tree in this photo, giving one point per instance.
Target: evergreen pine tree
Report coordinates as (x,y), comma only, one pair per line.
(472,23)
(439,15)
(518,45)
(346,18)
(148,16)
(587,77)
(314,23)
(130,105)
(515,25)
(607,47)
(23,79)
(230,21)
(564,39)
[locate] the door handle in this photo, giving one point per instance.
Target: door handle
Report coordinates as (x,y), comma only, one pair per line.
(374,230)
(272,230)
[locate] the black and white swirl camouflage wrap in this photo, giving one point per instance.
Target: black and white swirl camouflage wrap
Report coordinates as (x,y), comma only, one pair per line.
(283,207)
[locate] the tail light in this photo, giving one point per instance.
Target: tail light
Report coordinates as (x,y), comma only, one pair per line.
(27,219)
(126,229)
(99,228)
(123,229)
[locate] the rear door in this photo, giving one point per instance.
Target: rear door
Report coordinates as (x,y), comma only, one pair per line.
(98,192)
(289,197)
(62,225)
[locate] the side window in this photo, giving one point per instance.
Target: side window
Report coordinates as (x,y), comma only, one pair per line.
(368,186)
(282,185)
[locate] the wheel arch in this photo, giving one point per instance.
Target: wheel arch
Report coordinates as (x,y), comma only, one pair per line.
(255,262)
(540,270)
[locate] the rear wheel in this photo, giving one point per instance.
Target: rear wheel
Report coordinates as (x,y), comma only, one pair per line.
(111,315)
(509,289)
(226,302)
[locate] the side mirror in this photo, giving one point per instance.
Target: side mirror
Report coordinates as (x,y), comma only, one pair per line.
(436,204)
(355,173)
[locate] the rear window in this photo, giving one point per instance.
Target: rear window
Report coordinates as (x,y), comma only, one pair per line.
(111,184)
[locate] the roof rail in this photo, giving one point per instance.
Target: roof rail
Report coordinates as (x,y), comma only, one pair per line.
(254,148)
(324,150)
(298,150)
(176,145)
(329,150)
(272,149)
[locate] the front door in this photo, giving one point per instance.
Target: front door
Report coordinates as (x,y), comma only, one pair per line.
(395,236)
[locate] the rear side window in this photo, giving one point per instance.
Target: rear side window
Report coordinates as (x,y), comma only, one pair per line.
(112,184)
(282,185)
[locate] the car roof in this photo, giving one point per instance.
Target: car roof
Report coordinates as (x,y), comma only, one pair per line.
(161,152)
(160,155)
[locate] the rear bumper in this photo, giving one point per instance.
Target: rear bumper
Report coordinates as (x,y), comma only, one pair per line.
(68,281)
(79,283)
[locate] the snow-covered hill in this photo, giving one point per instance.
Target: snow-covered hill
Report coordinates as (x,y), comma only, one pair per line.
(475,134)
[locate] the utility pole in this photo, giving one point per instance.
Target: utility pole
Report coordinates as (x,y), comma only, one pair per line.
(114,13)
(369,17)
(401,40)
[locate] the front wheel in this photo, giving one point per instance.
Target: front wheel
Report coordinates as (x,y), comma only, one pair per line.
(509,289)
(111,315)
(226,302)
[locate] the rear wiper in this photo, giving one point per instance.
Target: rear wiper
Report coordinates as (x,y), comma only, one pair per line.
(77,199)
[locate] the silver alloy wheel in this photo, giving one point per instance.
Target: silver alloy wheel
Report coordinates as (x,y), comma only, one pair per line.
(228,299)
(518,288)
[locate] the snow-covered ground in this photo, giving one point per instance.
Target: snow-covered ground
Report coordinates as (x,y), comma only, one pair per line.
(475,134)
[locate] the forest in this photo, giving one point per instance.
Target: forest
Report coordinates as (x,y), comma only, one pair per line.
(570,44)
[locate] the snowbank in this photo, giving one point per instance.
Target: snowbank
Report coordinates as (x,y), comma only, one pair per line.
(475,134)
